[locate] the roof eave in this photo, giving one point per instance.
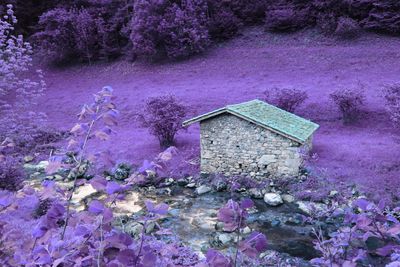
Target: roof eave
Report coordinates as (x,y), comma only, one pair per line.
(204,116)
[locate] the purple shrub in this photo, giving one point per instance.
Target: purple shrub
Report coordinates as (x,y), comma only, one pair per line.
(166,29)
(327,13)
(163,116)
(251,11)
(90,32)
(383,17)
(347,28)
(17,93)
(290,16)
(288,99)
(84,34)
(28,13)
(11,174)
(223,23)
(349,103)
(391,94)
(55,35)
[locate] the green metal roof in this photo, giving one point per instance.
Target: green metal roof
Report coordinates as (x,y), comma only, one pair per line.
(267,116)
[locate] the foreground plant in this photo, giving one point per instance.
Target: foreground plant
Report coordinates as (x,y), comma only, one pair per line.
(234,216)
(39,228)
(370,236)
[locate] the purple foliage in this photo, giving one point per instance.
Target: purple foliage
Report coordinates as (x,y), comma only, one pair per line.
(383,16)
(40,227)
(11,174)
(163,116)
(288,99)
(289,16)
(253,245)
(250,11)
(86,33)
(349,103)
(216,258)
(370,236)
(177,163)
(392,97)
(347,28)
(234,216)
(18,94)
(223,23)
(168,29)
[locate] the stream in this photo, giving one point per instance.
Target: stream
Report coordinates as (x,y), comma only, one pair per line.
(193,219)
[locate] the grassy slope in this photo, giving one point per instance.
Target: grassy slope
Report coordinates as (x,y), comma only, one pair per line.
(241,70)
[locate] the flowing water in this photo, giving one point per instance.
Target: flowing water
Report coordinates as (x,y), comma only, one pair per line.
(193,218)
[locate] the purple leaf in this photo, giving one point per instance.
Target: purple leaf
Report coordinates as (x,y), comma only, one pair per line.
(217,259)
(232,215)
(113,187)
(127,257)
(362,203)
(386,250)
(39,231)
(253,245)
(96,207)
(55,163)
(101,135)
(394,230)
(81,230)
(147,165)
(149,259)
(363,221)
(381,204)
(160,209)
(5,200)
(107,215)
(55,212)
(246,203)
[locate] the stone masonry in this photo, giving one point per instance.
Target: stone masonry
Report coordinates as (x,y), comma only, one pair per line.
(233,146)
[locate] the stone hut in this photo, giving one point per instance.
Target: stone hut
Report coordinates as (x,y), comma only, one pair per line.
(254,139)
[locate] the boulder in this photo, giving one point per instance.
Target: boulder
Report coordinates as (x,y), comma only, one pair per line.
(191,185)
(309,207)
(224,238)
(287,198)
(169,181)
(134,229)
(28,159)
(273,199)
(203,189)
(219,226)
(256,193)
(246,230)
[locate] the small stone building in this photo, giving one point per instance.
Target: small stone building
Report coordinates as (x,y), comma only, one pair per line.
(254,139)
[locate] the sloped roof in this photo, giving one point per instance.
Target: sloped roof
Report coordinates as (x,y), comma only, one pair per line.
(267,116)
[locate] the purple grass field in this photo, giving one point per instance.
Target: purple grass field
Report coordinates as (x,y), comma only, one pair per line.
(242,69)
